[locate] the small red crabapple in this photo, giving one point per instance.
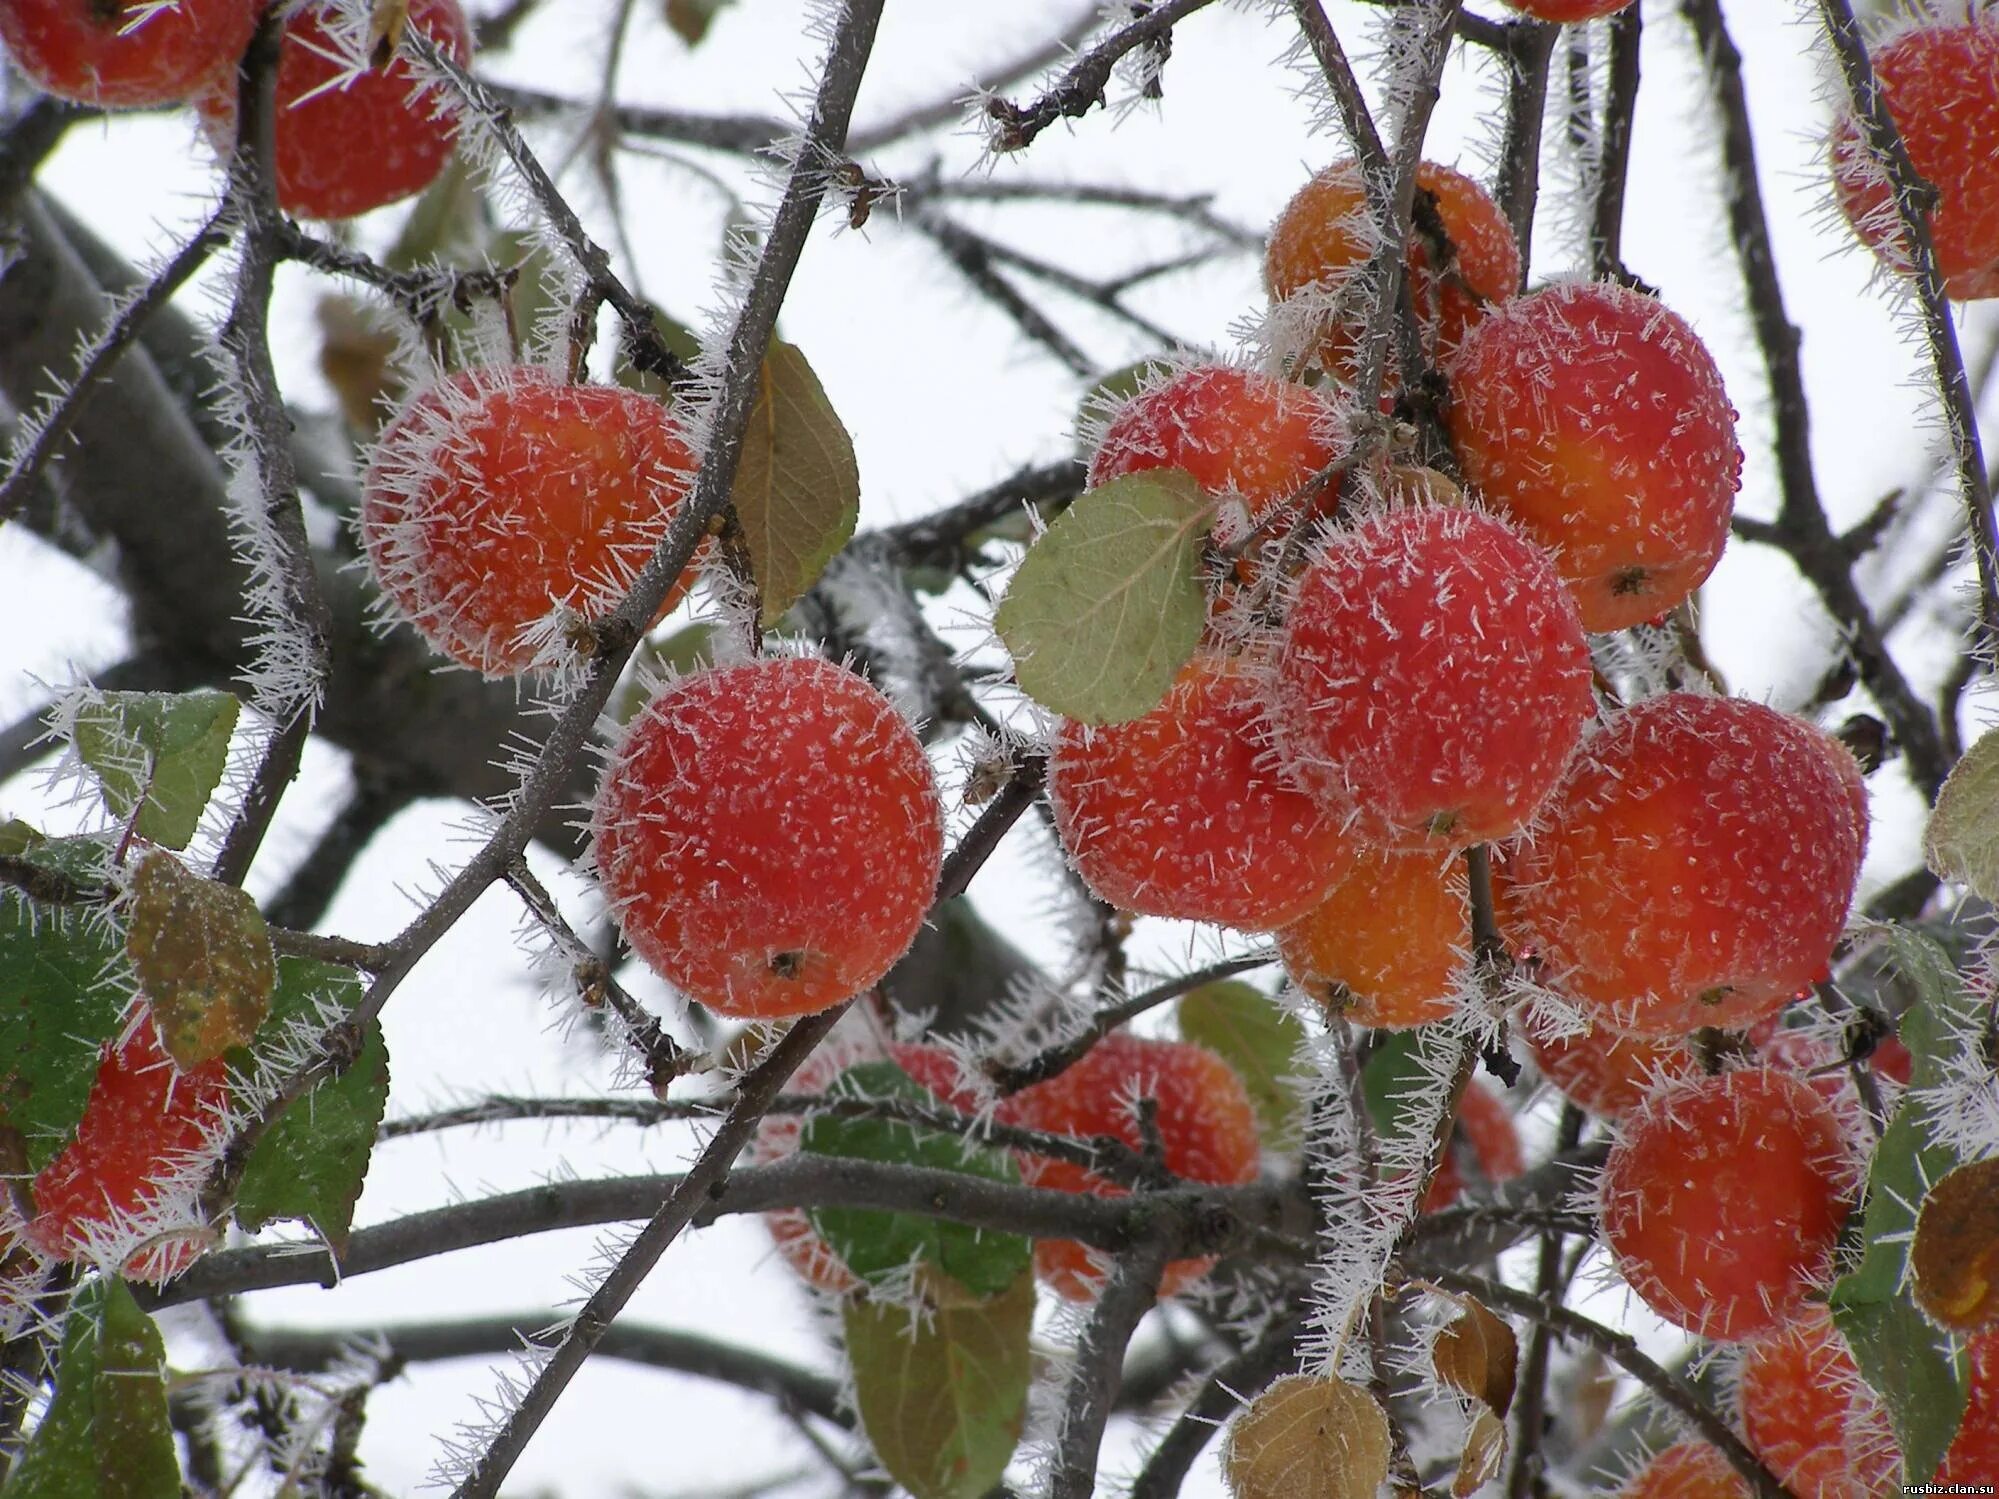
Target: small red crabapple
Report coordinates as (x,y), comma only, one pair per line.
(1596,418)
(1569,10)
(1181,812)
(344,148)
(1722,1197)
(145,1120)
(1433,678)
(1323,236)
(1807,1413)
(1687,1470)
(769,836)
(1973,1456)
(1388,944)
(1940,81)
(118,54)
(1205,1119)
(497,494)
(1237,432)
(1694,868)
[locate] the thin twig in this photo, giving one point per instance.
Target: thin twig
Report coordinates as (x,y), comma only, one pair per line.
(1092,1392)
(45,434)
(1081,87)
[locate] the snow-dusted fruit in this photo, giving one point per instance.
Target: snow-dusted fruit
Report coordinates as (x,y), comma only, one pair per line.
(1940,79)
(497,495)
(1182,813)
(145,1123)
(1389,943)
(1974,1453)
(1485,1129)
(769,836)
(1206,1123)
(1237,432)
(1608,1072)
(1308,1435)
(1687,1470)
(1807,1413)
(1433,678)
(1596,418)
(350,139)
(119,54)
(1722,1198)
(1694,868)
(810,1256)
(1323,237)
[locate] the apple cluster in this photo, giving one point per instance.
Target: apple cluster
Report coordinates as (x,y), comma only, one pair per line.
(347,139)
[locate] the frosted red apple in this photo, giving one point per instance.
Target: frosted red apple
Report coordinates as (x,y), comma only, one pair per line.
(1323,236)
(1940,80)
(119,55)
(498,494)
(1595,417)
(1182,813)
(1433,678)
(1388,945)
(1722,1198)
(1694,868)
(769,836)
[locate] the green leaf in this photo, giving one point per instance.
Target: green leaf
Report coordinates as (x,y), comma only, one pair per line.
(1913,1365)
(943,1395)
(105,1434)
(203,956)
(166,747)
(1107,606)
(59,1003)
(1962,842)
(798,488)
(1259,1039)
(1391,1080)
(876,1245)
(313,1161)
(690,19)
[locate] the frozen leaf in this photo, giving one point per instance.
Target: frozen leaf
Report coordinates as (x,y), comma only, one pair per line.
(57,1009)
(876,1245)
(1910,1363)
(1484,1455)
(203,957)
(1477,1355)
(1308,1435)
(311,1164)
(357,355)
(943,1395)
(690,19)
(105,1434)
(1956,1253)
(79,863)
(1259,1039)
(1962,842)
(1107,605)
(168,748)
(798,488)
(1394,1073)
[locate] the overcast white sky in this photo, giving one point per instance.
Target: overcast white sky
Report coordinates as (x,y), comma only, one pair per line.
(942,398)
